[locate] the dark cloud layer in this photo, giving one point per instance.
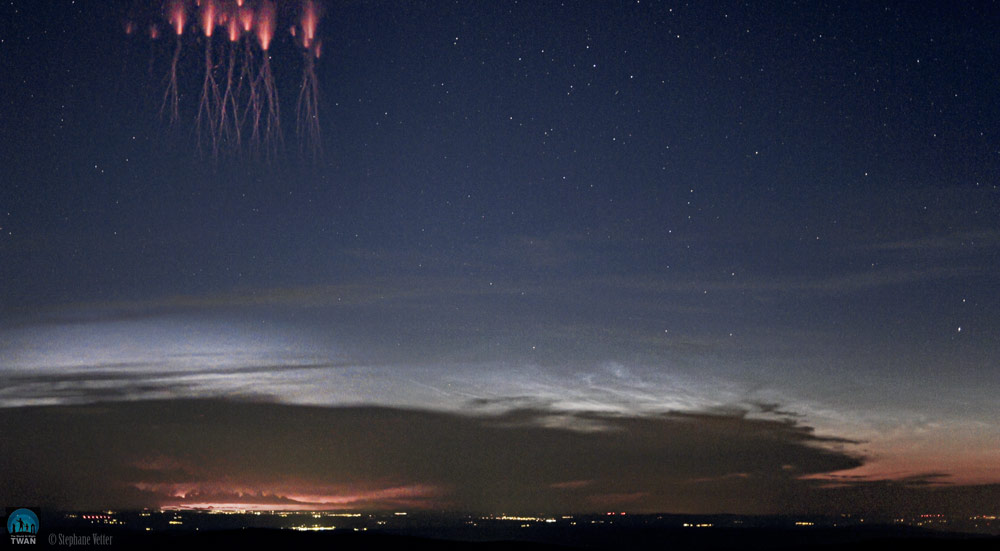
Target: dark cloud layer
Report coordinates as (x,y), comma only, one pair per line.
(151,453)
(124,380)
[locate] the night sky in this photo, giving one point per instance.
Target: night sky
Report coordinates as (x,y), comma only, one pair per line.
(544,257)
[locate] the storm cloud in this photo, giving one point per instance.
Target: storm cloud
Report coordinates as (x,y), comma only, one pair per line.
(197,452)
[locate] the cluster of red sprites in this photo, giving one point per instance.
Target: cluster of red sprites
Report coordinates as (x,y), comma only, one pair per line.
(240,108)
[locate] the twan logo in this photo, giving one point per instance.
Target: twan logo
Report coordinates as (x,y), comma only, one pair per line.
(22,525)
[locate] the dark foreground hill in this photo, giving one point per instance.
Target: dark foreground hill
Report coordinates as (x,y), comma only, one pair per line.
(879,538)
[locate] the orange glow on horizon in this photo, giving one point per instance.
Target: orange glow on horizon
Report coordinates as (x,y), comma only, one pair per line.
(240,506)
(304,497)
(963,459)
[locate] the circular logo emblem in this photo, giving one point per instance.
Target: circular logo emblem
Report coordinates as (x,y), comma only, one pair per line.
(22,521)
